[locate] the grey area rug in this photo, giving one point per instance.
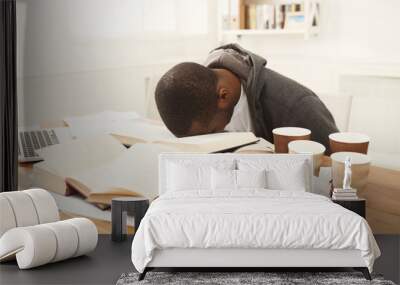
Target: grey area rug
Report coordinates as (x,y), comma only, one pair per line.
(228,278)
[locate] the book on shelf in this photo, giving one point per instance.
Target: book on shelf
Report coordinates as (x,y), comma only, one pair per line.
(260,22)
(230,11)
(234,14)
(251,16)
(270,16)
(100,167)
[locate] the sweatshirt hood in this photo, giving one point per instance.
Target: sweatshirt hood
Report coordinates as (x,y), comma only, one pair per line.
(245,64)
(248,67)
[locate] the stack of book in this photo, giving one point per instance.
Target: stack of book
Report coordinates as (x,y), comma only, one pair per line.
(277,16)
(344,194)
(262,16)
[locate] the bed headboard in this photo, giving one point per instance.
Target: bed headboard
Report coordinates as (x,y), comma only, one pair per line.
(166,158)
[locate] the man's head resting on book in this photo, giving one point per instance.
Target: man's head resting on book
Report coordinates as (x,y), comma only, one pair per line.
(193,99)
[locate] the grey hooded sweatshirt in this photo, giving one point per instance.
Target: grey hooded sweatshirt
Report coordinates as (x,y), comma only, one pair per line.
(274,100)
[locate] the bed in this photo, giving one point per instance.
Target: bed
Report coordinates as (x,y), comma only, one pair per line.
(241,210)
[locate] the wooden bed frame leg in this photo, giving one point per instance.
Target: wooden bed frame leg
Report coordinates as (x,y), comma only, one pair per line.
(143,274)
(364,271)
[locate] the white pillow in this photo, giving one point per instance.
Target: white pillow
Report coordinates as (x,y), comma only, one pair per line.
(181,177)
(223,179)
(193,174)
(236,179)
(251,178)
(293,179)
(281,174)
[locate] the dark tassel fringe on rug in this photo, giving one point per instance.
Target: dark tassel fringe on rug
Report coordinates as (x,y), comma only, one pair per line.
(243,278)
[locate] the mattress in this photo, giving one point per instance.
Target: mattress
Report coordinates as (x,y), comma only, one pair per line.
(251,219)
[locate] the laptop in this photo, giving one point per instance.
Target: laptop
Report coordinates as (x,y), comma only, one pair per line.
(32,139)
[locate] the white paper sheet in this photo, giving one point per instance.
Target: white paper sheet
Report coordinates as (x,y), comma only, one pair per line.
(128,124)
(99,123)
(135,169)
(70,158)
(144,129)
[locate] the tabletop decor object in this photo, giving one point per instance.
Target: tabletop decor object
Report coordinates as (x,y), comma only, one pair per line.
(360,165)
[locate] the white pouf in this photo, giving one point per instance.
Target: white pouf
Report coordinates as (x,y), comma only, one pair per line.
(37,245)
(7,216)
(66,237)
(45,205)
(30,230)
(26,208)
(23,209)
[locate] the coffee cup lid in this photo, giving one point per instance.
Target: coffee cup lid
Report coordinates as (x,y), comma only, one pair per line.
(356,158)
(306,146)
(348,137)
(291,131)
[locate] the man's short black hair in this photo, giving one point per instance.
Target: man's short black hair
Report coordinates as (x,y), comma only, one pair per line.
(187,92)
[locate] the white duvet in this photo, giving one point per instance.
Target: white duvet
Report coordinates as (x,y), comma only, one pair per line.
(250,219)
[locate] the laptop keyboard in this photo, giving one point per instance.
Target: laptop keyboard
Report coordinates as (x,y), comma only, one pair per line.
(32,140)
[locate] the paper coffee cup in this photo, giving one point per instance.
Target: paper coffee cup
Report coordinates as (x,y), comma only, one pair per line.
(360,164)
(352,142)
(283,136)
(308,147)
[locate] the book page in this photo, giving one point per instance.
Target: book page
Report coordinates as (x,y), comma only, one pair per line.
(75,156)
(213,142)
(262,146)
(135,169)
(212,138)
(99,123)
(145,130)
(123,124)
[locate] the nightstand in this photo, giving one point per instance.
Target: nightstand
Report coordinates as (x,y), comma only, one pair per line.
(357,206)
(120,207)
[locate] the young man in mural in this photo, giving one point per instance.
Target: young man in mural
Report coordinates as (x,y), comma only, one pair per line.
(235,91)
